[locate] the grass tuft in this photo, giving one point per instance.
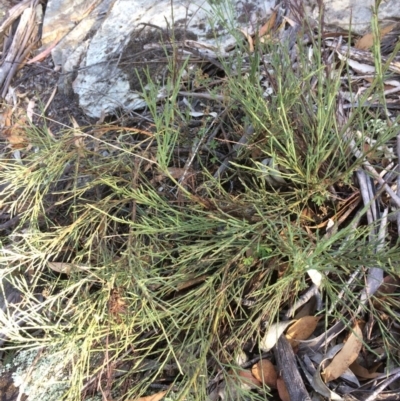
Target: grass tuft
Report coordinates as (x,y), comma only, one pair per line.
(135,247)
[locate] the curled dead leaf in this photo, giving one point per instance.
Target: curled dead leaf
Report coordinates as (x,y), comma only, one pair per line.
(265,372)
(249,39)
(346,356)
(315,276)
(246,380)
(320,387)
(301,329)
(267,27)
(66,268)
(272,335)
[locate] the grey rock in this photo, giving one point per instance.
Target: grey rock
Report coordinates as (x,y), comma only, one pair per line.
(354,15)
(100,57)
(107,45)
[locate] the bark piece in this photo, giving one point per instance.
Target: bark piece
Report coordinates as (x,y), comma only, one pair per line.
(289,372)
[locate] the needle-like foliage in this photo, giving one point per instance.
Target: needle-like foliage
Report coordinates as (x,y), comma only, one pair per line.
(141,260)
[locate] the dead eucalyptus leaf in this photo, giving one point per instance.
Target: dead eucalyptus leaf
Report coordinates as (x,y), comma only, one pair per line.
(65,268)
(268,25)
(320,387)
(346,356)
(60,267)
(363,373)
(367,41)
(301,330)
(361,68)
(333,351)
(315,276)
(350,377)
(265,372)
(29,110)
(282,390)
(249,39)
(307,309)
(238,378)
(79,141)
(244,378)
(247,380)
(273,333)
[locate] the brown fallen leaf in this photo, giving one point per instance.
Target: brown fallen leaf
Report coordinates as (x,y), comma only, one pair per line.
(174,172)
(238,379)
(301,329)
(177,173)
(249,39)
(273,333)
(265,372)
(60,267)
(367,41)
(245,379)
(346,356)
(79,140)
(362,372)
(268,25)
(320,387)
(15,122)
(16,137)
(282,390)
(66,268)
